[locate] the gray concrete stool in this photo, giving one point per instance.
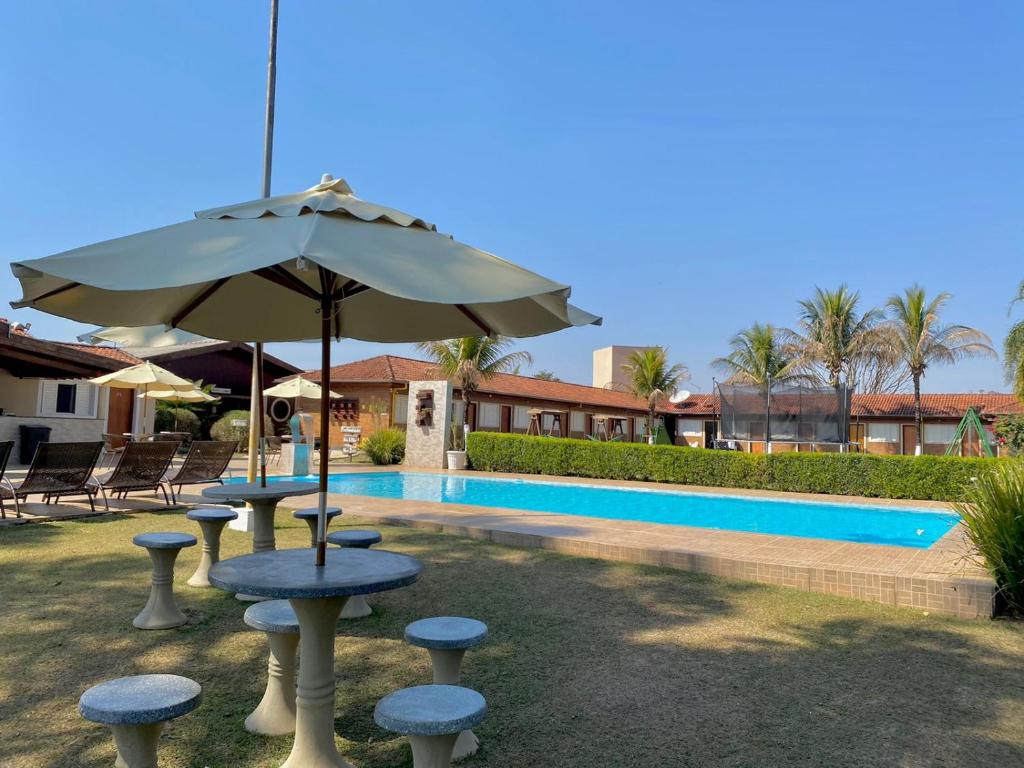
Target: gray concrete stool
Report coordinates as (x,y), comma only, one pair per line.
(432,716)
(356,607)
(275,714)
(211,522)
(161,612)
(447,638)
(136,709)
(310,514)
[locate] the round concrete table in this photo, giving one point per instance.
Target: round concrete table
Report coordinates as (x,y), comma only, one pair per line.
(317,595)
(264,501)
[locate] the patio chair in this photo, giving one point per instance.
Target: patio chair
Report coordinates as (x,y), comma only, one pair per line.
(60,469)
(273,449)
(205,462)
(142,467)
(113,446)
(6,488)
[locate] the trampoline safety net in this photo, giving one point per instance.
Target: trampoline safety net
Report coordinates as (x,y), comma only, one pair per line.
(798,414)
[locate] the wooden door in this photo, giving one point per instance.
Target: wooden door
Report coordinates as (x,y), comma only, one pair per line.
(120,408)
(909,439)
(505,425)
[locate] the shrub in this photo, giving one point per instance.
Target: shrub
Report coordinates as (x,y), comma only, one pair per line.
(177,420)
(224,428)
(1010,432)
(385,446)
(994,519)
(941,478)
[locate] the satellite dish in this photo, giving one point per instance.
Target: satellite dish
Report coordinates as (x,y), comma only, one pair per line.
(679,396)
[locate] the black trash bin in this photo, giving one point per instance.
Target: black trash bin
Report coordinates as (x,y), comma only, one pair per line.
(31,436)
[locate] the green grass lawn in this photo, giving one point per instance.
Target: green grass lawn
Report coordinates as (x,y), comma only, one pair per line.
(589,663)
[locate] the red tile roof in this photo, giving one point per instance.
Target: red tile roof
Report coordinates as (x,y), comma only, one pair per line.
(113,353)
(394,370)
(987,404)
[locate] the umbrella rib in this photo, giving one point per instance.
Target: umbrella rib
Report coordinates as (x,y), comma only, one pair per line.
(202,296)
(56,291)
(285,279)
(476,320)
(351,288)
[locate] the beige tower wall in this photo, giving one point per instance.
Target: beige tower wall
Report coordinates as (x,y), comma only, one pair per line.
(608,362)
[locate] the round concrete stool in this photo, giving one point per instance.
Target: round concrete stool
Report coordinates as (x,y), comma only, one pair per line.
(356,607)
(161,612)
(432,716)
(136,708)
(310,514)
(211,522)
(447,638)
(275,715)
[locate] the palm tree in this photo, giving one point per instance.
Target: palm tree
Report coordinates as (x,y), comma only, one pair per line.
(1013,350)
(472,359)
(834,338)
(922,340)
(651,378)
(546,376)
(758,356)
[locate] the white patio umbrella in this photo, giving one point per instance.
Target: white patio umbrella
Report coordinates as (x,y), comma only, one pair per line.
(318,263)
(298,387)
(193,396)
(144,336)
(146,376)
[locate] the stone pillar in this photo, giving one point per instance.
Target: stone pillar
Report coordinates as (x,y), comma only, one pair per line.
(425,444)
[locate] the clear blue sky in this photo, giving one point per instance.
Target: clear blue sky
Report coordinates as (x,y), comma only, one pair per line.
(688,167)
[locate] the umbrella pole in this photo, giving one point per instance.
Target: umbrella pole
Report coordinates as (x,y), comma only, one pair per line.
(325,426)
(261,419)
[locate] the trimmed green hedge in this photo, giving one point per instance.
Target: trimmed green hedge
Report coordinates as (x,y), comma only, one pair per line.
(939,478)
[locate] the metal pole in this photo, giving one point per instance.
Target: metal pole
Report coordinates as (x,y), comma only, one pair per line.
(256,405)
(325,425)
(768,417)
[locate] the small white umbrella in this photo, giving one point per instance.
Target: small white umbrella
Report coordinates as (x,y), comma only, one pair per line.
(193,396)
(143,336)
(298,387)
(146,376)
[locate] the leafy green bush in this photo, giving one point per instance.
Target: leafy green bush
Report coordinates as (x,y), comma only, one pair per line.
(941,478)
(385,446)
(1010,432)
(224,428)
(177,420)
(994,519)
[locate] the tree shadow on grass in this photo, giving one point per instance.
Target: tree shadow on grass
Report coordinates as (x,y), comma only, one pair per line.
(588,663)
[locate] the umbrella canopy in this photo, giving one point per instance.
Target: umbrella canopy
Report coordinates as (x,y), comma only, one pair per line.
(145,375)
(315,264)
(193,396)
(144,336)
(298,387)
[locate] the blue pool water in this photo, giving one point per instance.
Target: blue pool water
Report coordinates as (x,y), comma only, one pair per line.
(817,520)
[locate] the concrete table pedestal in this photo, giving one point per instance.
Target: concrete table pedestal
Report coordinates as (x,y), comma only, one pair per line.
(432,716)
(447,638)
(275,714)
(264,501)
(356,607)
(161,611)
(317,595)
(136,708)
(211,522)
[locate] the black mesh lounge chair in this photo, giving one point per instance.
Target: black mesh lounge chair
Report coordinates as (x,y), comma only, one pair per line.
(6,489)
(142,468)
(205,462)
(60,469)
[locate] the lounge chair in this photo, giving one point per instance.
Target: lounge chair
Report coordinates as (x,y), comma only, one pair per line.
(142,467)
(60,469)
(273,449)
(6,488)
(113,446)
(205,462)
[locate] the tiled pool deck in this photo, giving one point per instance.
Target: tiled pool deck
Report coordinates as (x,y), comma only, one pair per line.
(937,579)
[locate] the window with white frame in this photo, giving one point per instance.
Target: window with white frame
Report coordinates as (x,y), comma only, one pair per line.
(520,417)
(490,416)
(458,412)
(68,399)
(883,433)
(640,427)
(939,433)
(547,422)
(577,421)
(400,413)
(689,428)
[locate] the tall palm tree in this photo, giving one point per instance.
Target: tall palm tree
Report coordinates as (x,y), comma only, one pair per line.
(833,337)
(758,356)
(651,378)
(1013,350)
(923,340)
(472,359)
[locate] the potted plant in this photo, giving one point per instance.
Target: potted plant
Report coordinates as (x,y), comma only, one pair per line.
(457,448)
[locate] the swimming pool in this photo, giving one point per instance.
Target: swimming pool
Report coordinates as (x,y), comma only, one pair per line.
(818,520)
